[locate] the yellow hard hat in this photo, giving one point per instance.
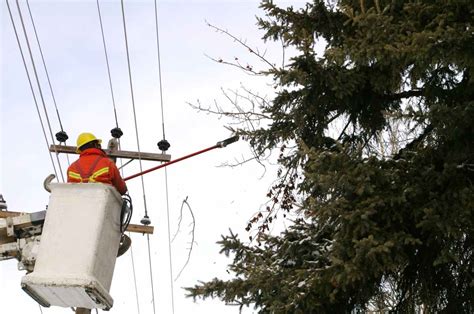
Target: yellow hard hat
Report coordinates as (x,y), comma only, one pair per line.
(85,138)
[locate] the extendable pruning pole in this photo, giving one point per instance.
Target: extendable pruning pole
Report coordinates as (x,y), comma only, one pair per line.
(220,144)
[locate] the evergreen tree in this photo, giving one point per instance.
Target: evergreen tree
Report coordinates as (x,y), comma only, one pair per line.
(385,203)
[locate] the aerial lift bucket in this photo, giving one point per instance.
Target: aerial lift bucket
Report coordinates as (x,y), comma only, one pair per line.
(78,248)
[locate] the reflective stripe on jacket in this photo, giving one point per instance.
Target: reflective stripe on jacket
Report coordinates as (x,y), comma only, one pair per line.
(94,166)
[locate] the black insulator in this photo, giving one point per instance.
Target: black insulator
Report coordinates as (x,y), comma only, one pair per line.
(163,145)
(61,136)
(145,220)
(116,132)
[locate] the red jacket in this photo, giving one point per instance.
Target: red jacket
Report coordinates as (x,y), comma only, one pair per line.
(94,166)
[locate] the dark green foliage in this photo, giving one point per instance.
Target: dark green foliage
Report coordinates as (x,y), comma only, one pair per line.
(383,225)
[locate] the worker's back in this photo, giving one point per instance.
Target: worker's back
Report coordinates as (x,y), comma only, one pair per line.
(94,166)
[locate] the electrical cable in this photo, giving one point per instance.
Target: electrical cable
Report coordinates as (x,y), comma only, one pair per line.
(47,76)
(126,212)
(164,145)
(39,88)
(134,277)
(151,271)
(169,240)
(138,147)
(133,104)
(131,255)
(127,199)
(131,247)
(44,64)
(108,65)
(159,70)
(31,87)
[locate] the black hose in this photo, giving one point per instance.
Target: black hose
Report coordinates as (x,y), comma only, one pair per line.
(126,212)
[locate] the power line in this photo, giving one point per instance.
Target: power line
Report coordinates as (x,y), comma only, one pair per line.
(31,87)
(116,132)
(133,104)
(116,124)
(47,73)
(151,271)
(138,144)
(169,241)
(39,87)
(166,172)
(108,65)
(44,64)
(134,278)
(159,70)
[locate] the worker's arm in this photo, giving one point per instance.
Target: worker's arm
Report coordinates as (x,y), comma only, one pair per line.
(70,173)
(117,180)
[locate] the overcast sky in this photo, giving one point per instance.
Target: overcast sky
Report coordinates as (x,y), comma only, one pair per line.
(220,197)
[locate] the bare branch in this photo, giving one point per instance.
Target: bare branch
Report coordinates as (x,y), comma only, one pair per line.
(193,224)
(247,69)
(253,51)
(237,162)
(263,100)
(220,111)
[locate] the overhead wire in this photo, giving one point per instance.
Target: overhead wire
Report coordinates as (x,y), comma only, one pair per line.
(31,87)
(138,147)
(133,104)
(116,124)
(159,70)
(151,271)
(47,73)
(39,88)
(169,240)
(108,65)
(166,171)
(134,277)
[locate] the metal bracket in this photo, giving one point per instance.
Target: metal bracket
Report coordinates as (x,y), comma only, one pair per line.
(113,146)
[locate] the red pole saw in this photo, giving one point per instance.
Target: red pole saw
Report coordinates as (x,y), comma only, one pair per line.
(220,144)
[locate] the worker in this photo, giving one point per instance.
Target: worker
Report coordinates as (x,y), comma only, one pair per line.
(93,165)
